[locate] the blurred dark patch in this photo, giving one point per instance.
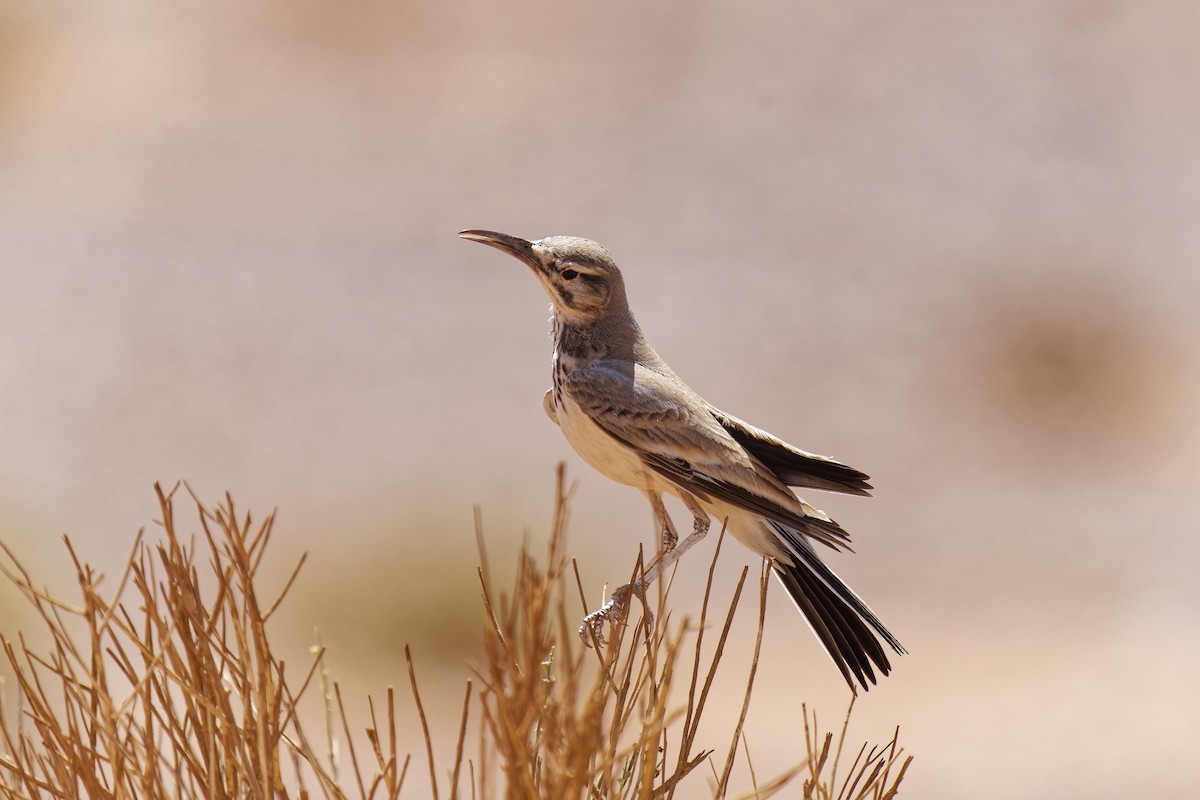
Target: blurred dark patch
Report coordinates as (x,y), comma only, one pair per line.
(410,578)
(18,35)
(371,609)
(1078,371)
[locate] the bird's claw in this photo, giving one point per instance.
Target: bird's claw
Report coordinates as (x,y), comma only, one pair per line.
(591,630)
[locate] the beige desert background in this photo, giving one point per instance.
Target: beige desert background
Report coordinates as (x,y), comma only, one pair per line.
(955,245)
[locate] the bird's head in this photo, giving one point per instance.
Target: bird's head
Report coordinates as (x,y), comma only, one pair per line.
(580,276)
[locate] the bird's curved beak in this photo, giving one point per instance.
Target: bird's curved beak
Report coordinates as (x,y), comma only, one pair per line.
(513,245)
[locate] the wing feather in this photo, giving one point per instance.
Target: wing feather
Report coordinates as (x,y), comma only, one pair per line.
(794,466)
(676,435)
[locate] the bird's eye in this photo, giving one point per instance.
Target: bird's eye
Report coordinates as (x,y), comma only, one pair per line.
(569,274)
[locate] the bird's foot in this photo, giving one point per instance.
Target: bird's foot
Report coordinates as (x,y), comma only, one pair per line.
(616,610)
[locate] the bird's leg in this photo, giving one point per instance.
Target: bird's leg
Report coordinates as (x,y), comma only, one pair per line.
(700,525)
(668,536)
(618,606)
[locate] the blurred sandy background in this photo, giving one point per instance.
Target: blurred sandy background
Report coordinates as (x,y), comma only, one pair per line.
(955,245)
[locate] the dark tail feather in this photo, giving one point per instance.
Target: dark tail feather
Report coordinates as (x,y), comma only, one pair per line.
(847,628)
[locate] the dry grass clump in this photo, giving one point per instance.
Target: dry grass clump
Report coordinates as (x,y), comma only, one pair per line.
(168,687)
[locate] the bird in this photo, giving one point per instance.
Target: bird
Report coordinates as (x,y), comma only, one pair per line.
(629,416)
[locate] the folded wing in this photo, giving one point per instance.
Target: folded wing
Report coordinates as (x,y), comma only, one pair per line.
(675,434)
(793,466)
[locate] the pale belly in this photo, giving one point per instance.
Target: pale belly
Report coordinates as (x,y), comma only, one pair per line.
(604,453)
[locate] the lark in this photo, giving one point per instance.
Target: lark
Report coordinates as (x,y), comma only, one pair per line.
(628,415)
